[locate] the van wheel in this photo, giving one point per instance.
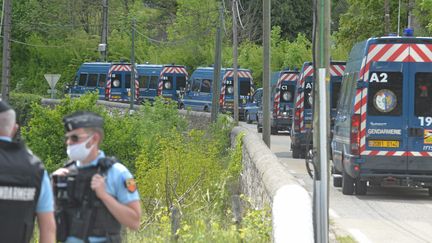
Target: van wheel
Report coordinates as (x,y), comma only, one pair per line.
(337,181)
(206,109)
(259,129)
(273,131)
(296,152)
(360,187)
(347,184)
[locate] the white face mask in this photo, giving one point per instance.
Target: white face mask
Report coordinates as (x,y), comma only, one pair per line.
(79,151)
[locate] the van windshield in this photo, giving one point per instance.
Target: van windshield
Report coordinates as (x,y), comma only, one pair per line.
(423,94)
(385,94)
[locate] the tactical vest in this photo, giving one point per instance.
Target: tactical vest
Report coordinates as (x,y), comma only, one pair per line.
(81,213)
(21,175)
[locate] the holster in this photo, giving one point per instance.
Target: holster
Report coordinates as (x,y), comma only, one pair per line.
(61,223)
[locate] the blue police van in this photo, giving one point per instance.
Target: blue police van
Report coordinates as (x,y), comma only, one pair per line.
(253,106)
(112,81)
(245,91)
(383,126)
(283,84)
(301,132)
(168,81)
(198,94)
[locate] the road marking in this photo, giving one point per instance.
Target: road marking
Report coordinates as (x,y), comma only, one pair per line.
(359,236)
(333,214)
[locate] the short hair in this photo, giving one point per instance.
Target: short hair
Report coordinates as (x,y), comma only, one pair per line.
(7,122)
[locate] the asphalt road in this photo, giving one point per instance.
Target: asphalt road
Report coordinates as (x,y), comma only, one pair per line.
(385,214)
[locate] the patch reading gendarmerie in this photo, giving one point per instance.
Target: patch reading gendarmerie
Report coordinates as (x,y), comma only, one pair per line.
(17,193)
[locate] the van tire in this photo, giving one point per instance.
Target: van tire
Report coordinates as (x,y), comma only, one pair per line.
(360,187)
(206,109)
(273,131)
(259,129)
(337,181)
(347,184)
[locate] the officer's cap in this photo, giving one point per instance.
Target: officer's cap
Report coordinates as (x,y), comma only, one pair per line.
(4,106)
(82,119)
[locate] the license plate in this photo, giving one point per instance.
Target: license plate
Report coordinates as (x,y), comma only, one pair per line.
(383,143)
(115,96)
(308,125)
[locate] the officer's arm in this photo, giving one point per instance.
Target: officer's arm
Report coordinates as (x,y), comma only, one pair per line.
(47,227)
(127,214)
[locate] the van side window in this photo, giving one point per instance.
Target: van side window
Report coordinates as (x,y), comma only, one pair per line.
(196,85)
(154,80)
(205,86)
(102,80)
(423,94)
(143,81)
(92,80)
(385,94)
(82,79)
(344,93)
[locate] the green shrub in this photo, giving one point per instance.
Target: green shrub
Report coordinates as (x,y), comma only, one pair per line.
(22,103)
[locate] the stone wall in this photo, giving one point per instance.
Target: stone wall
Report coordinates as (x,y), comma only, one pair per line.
(266,182)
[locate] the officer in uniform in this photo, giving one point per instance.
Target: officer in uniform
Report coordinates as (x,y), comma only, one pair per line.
(95,194)
(25,189)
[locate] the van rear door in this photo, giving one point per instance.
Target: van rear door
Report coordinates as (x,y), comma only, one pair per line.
(419,149)
(385,121)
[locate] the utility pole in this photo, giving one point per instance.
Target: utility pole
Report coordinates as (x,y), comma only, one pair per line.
(217,68)
(410,15)
(235,66)
(321,121)
(7,24)
(132,81)
(104,36)
(386,17)
(266,71)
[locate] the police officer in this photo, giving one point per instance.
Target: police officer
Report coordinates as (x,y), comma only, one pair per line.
(25,189)
(101,192)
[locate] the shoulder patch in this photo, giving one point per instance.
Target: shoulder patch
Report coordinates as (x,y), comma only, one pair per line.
(130,184)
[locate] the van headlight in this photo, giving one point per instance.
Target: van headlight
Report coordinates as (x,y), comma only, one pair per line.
(167,85)
(230,90)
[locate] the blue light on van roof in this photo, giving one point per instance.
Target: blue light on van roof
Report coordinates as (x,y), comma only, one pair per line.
(408,32)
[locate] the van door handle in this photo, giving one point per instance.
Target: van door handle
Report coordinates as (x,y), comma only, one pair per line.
(415,132)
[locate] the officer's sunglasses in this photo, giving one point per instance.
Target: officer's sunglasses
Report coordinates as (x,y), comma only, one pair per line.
(75,138)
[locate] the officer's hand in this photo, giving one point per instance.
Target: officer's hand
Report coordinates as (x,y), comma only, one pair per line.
(61,172)
(98,185)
